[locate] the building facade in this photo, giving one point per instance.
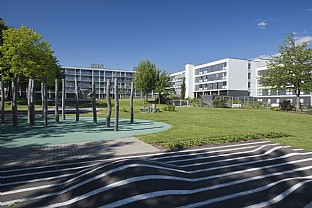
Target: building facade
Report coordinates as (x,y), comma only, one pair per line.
(176,80)
(100,75)
(275,97)
(226,77)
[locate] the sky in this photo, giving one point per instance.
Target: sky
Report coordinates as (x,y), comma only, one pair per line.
(169,33)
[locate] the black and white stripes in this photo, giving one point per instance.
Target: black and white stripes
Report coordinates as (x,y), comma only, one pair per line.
(254,174)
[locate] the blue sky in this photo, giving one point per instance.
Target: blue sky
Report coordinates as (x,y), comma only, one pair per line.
(170,33)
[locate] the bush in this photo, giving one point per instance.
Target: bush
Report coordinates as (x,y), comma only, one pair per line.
(286,105)
(220,140)
(169,108)
(219,103)
(275,108)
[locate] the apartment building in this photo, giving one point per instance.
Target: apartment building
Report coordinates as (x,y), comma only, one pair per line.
(176,80)
(275,97)
(227,77)
(98,74)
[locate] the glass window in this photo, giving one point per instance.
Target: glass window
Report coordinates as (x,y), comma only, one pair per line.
(259,92)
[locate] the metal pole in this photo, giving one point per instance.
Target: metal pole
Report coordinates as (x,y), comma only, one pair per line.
(77,99)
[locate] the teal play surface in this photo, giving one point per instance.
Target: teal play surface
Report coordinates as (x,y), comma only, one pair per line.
(69,131)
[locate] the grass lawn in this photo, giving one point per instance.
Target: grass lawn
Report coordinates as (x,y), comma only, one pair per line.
(195,123)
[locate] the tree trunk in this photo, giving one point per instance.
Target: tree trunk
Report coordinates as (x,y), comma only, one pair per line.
(2,101)
(14,102)
(28,102)
(57,118)
(45,101)
(77,99)
(32,102)
(131,103)
(109,104)
(298,106)
(116,104)
(63,99)
(42,106)
(94,103)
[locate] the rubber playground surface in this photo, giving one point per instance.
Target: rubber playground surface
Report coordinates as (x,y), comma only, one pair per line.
(69,131)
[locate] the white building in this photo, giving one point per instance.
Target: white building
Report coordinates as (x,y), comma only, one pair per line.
(275,97)
(228,77)
(100,75)
(176,80)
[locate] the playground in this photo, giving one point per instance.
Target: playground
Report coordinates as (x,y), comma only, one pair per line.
(70,132)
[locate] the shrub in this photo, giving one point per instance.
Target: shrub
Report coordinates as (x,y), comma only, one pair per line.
(169,108)
(220,140)
(275,108)
(219,103)
(286,105)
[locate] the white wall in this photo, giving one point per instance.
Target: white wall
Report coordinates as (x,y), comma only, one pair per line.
(238,74)
(189,80)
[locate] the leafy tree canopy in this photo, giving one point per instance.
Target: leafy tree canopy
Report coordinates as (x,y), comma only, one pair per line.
(25,55)
(291,69)
(163,84)
(146,77)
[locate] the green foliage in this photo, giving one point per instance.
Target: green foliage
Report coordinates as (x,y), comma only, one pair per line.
(275,108)
(219,103)
(183,88)
(219,140)
(291,70)
(24,55)
(286,105)
(146,77)
(162,85)
(169,108)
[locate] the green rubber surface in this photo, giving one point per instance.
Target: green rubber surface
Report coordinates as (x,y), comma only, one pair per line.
(70,132)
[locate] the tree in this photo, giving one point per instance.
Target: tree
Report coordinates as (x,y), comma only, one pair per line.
(24,55)
(183,88)
(291,70)
(163,84)
(146,78)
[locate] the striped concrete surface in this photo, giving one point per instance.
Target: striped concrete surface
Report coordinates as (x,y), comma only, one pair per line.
(251,174)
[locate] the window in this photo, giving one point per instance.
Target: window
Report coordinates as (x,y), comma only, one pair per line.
(224,75)
(249,65)
(217,76)
(289,92)
(269,101)
(277,100)
(249,75)
(259,92)
(269,92)
(248,84)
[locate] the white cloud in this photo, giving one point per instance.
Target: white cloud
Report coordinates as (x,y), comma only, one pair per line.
(309,10)
(262,24)
(304,39)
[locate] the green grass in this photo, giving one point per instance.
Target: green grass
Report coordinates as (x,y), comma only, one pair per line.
(189,123)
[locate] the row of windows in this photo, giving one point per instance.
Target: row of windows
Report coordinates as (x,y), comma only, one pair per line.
(211,77)
(97,73)
(264,92)
(212,68)
(304,101)
(211,86)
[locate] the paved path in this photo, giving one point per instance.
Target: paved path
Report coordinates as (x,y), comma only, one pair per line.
(251,174)
(51,154)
